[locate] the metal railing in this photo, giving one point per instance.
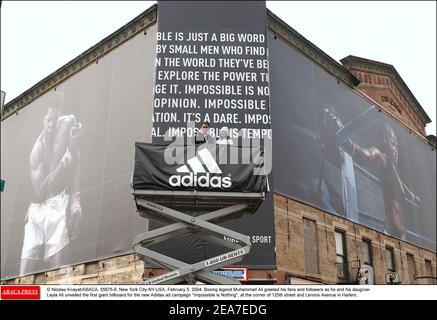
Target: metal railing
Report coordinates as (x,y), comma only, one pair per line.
(348,272)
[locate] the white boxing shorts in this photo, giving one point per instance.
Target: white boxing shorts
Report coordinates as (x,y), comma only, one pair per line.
(46,227)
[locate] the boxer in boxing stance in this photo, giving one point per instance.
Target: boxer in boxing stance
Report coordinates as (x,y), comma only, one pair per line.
(55,211)
(385,160)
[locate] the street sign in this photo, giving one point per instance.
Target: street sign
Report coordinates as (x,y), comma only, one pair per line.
(238,273)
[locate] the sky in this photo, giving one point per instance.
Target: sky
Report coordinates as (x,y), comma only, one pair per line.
(38,37)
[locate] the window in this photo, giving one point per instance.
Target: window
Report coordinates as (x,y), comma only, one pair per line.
(411,268)
(428,270)
(310,246)
(341,256)
(367,252)
(390,259)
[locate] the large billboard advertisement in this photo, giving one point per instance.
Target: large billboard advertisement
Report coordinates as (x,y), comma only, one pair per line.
(212,88)
(67,160)
(68,174)
(341,154)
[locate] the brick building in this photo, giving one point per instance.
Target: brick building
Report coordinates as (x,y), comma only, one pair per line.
(312,246)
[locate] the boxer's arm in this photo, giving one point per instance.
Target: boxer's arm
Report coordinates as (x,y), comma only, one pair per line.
(41,179)
(365,154)
(73,131)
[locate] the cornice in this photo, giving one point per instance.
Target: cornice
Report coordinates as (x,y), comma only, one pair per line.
(362,64)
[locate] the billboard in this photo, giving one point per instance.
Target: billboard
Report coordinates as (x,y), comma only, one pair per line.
(67,160)
(227,168)
(68,174)
(212,88)
(341,154)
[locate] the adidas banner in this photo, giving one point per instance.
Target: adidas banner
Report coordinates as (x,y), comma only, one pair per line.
(206,167)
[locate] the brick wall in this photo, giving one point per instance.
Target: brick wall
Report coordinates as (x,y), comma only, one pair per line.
(290,251)
(126,269)
(290,248)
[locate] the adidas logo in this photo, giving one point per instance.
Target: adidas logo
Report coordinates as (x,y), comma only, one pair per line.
(197,176)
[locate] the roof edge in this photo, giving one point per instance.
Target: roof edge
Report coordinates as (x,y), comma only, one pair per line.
(381,67)
(306,47)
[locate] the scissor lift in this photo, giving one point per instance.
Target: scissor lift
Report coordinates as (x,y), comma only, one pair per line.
(188,212)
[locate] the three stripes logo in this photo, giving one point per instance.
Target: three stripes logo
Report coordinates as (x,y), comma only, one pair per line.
(193,174)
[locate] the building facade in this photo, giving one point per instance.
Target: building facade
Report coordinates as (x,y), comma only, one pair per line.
(312,246)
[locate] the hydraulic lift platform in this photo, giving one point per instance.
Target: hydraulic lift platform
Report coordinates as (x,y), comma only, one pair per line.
(192,197)
(189,212)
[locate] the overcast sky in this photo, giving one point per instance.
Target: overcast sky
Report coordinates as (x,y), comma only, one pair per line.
(39,37)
